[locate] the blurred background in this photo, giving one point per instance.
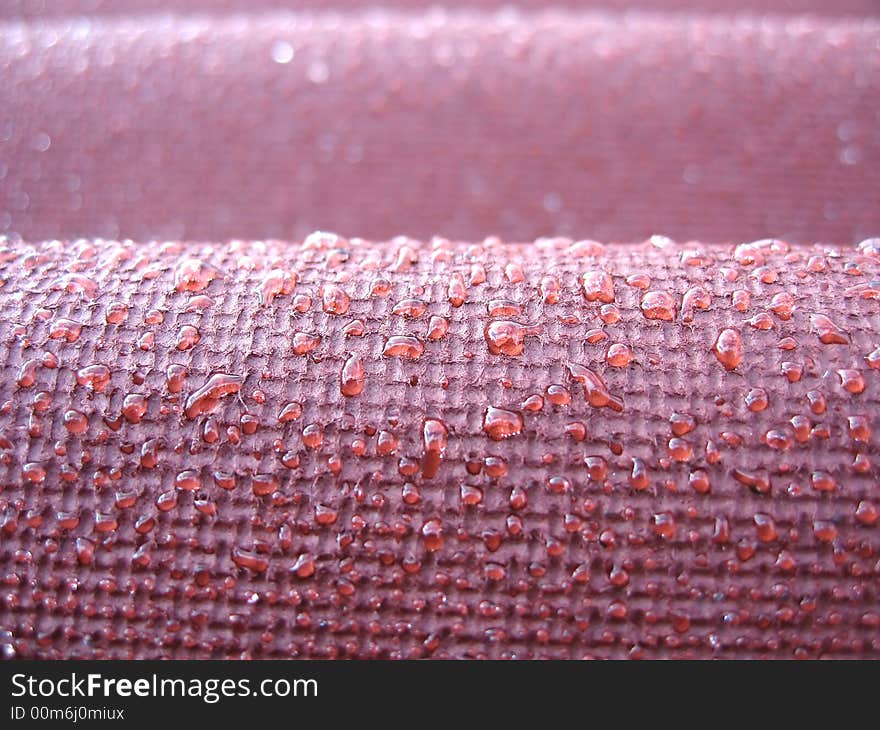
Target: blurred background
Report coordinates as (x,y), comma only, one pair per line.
(610,119)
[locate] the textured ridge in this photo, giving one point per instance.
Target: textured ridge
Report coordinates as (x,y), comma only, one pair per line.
(351,449)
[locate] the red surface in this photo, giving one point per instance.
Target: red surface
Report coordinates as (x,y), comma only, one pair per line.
(347,449)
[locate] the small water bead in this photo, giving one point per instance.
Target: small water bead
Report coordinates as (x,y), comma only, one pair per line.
(352,376)
(27,373)
(503,308)
(728,348)
(822,481)
(355,328)
(859,429)
(403,346)
(277,282)
(134,407)
(741,300)
(514,273)
(782,305)
(386,443)
(94,377)
(680,449)
(150,453)
(154,316)
(761,321)
(303,343)
(432,534)
(519,498)
(500,423)
(609,314)
(698,480)
(206,398)
(756,400)
(694,298)
(658,305)
(250,560)
(765,527)
(198,303)
(250,423)
(597,467)
(193,275)
(74,283)
(175,377)
(663,524)
(619,355)
(558,395)
(852,380)
(758,482)
(639,280)
(873,359)
(302,303)
(75,422)
(457,290)
(549,288)
(867,513)
(437,328)
(505,337)
(116,313)
(146,341)
(828,332)
(187,337)
(42,401)
(595,390)
(435,436)
(304,566)
(598,286)
(65,329)
(638,476)
(413,308)
(334,299)
(313,436)
(532,403)
(817,402)
(290,412)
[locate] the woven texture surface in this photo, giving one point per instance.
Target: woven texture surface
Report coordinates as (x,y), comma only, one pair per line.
(466,124)
(348,449)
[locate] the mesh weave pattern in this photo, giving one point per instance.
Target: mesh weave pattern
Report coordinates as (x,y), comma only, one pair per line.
(182,526)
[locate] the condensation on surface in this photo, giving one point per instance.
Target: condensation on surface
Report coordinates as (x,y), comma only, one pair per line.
(599,477)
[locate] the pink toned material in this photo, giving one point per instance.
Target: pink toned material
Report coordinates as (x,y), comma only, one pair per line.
(656,450)
(699,126)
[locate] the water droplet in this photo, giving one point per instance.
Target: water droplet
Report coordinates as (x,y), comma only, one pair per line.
(500,423)
(94,377)
(352,376)
(413,308)
(828,332)
(187,337)
(504,337)
(404,346)
(65,329)
(303,343)
(658,305)
(434,439)
(728,348)
(206,398)
(595,390)
(598,286)
(334,299)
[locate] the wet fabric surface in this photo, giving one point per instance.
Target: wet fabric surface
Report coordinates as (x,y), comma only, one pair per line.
(347,449)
